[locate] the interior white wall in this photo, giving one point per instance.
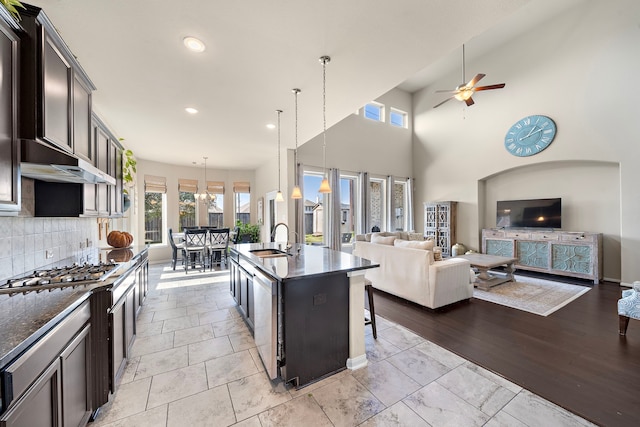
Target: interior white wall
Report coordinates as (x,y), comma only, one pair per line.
(266,183)
(577,70)
(162,252)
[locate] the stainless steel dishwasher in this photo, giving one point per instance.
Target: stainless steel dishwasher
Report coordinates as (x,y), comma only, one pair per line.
(265,321)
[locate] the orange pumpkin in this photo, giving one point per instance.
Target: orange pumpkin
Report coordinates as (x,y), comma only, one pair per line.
(119,239)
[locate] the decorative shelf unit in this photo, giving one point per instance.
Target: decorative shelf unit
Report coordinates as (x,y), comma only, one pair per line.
(440,223)
(564,253)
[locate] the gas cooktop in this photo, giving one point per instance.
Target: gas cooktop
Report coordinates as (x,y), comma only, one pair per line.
(59,277)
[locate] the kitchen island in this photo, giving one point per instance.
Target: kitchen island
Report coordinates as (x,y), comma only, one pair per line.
(305,306)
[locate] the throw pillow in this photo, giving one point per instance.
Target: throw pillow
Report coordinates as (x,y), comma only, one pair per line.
(382,240)
(437,253)
(416,236)
(426,245)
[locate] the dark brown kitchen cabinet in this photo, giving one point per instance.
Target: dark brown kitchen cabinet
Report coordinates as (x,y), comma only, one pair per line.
(102,148)
(122,321)
(56,78)
(9,147)
(82,141)
(245,291)
(54,89)
(50,383)
(108,158)
(142,282)
(114,310)
(76,380)
(115,170)
(41,405)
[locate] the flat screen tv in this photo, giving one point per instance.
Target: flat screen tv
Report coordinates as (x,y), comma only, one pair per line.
(539,213)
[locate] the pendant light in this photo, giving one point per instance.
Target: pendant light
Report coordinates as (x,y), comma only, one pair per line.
(279,197)
(296,193)
(324,185)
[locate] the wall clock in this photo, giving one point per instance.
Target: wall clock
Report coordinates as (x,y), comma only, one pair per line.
(530,135)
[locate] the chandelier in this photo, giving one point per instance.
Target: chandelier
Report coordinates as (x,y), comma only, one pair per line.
(206,196)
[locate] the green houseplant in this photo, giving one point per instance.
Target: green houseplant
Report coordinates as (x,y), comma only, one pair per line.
(247,233)
(128,176)
(11,6)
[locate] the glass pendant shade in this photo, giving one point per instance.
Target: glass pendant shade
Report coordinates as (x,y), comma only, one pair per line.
(324,186)
(296,193)
(279,197)
(464,94)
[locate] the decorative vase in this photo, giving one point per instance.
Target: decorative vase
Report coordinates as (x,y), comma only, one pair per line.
(458,249)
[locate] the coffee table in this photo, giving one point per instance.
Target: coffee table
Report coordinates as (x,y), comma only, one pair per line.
(483,262)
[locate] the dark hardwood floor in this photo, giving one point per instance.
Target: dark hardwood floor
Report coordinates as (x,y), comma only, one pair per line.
(573,357)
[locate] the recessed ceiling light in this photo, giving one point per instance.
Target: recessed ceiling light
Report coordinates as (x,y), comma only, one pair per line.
(271,126)
(193,44)
(191,110)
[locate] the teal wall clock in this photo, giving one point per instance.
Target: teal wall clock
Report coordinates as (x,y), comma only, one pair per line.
(530,135)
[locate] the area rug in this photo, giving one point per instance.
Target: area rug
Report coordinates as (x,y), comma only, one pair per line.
(538,296)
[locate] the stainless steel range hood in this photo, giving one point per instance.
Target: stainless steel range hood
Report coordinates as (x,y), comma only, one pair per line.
(43,162)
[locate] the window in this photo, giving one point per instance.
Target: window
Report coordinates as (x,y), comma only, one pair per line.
(215,209)
(155,188)
(242,202)
(186,209)
(400,205)
(398,118)
(153,217)
(377,203)
(187,203)
(374,111)
(313,208)
(348,210)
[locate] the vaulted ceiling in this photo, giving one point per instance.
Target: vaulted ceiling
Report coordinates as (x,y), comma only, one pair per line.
(256,52)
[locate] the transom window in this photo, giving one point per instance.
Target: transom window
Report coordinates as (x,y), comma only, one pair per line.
(398,118)
(374,111)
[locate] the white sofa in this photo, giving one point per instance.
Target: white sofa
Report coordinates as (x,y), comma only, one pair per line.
(412,274)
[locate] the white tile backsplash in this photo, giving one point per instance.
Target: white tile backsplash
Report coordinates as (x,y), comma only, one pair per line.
(24,242)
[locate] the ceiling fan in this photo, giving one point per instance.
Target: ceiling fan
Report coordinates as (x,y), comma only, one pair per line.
(466,90)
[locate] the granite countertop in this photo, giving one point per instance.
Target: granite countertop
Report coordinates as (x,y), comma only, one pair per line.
(303,260)
(26,318)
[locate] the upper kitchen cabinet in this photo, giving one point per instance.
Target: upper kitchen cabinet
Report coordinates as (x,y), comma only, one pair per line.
(55,91)
(109,160)
(9,147)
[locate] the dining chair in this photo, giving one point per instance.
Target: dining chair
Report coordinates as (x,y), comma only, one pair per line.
(175,247)
(195,247)
(218,246)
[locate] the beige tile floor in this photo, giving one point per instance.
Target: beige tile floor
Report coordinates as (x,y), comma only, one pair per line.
(194,363)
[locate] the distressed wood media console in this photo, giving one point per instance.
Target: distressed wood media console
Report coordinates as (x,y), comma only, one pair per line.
(564,253)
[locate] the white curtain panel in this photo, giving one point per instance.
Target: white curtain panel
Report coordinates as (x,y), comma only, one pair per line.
(365,204)
(298,206)
(409,207)
(391,204)
(333,211)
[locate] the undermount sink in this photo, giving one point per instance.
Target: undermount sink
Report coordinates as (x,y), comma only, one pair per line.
(268,253)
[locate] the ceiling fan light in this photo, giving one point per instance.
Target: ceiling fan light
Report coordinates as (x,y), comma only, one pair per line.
(324,186)
(464,94)
(296,193)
